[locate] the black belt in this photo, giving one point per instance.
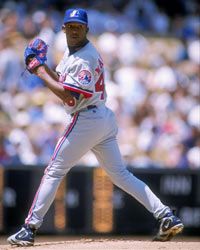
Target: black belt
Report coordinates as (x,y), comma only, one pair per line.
(89,107)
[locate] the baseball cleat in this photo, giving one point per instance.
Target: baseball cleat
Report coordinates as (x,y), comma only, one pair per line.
(170,225)
(24,237)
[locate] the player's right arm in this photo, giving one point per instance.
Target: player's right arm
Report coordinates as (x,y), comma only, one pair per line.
(35,57)
(52,82)
(53,74)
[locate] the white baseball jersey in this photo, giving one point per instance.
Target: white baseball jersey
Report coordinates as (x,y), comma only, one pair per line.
(83,74)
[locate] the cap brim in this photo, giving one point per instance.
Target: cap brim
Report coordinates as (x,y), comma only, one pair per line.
(73,20)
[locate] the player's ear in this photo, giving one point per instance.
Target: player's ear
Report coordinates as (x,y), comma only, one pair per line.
(87,29)
(64,28)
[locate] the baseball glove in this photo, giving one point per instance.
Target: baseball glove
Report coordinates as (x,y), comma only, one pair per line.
(35,54)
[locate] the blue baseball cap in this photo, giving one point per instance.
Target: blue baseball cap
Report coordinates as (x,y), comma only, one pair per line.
(76,15)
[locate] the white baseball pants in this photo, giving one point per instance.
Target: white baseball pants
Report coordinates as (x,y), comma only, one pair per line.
(94,130)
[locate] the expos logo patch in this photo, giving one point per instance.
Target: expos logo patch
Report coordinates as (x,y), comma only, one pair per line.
(84,77)
(74,13)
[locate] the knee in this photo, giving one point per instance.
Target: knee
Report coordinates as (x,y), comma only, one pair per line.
(54,171)
(121,175)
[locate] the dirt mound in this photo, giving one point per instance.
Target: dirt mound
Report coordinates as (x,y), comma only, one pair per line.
(109,244)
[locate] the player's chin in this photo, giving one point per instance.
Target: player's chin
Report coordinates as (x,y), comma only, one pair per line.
(74,41)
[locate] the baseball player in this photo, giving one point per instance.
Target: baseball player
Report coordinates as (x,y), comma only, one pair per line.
(79,83)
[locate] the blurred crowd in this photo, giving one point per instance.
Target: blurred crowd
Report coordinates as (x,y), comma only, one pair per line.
(152,59)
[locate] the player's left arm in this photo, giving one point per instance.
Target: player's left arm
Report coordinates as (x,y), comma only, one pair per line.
(80,78)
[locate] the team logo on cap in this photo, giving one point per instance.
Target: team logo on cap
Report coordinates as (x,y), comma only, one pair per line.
(84,77)
(74,13)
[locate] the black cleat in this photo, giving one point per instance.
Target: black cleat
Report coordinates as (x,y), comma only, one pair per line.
(170,225)
(24,237)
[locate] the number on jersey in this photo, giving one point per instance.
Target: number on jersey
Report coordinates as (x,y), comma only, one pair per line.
(100,86)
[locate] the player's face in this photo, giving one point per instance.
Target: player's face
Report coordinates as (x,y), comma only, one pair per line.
(75,33)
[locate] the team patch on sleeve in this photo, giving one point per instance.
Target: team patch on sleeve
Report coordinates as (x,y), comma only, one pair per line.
(84,77)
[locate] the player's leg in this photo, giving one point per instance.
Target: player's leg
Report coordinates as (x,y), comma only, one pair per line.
(110,159)
(67,152)
(78,138)
(45,194)
(109,156)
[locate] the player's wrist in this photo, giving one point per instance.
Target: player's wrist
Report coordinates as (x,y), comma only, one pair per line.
(40,70)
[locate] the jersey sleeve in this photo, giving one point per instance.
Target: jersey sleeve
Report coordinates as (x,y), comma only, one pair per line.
(80,79)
